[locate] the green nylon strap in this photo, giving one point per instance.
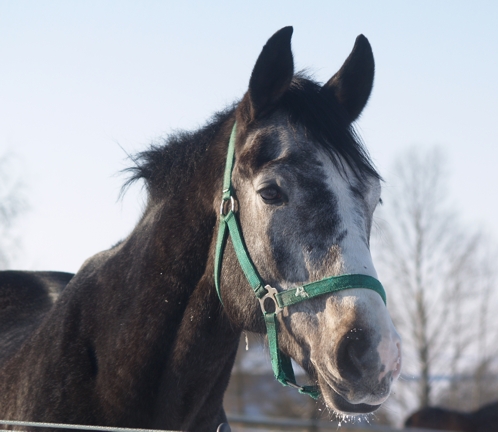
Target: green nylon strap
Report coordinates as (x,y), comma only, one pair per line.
(281,364)
(278,361)
(328,285)
(229,225)
(218,256)
(227,178)
(244,260)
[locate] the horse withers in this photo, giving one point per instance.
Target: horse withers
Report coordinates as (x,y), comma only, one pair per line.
(140,338)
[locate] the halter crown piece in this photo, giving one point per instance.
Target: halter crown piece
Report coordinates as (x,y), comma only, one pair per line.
(281,363)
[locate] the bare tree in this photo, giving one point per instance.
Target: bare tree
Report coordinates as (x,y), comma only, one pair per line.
(432,271)
(12,205)
(476,382)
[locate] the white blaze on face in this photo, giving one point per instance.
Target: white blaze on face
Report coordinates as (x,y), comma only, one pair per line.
(355,213)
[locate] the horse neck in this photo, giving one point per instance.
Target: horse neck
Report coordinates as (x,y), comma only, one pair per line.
(169,309)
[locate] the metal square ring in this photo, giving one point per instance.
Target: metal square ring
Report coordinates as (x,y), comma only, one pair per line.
(270,295)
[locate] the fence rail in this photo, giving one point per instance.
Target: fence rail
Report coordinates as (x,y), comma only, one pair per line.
(75,426)
(272,424)
(284,424)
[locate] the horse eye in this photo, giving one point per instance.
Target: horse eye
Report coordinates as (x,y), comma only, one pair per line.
(271,195)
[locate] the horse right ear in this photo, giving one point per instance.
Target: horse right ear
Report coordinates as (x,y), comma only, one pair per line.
(272,73)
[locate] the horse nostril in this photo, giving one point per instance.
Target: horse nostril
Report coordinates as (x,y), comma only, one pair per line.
(351,354)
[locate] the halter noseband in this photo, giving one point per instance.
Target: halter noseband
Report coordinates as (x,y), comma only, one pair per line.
(281,363)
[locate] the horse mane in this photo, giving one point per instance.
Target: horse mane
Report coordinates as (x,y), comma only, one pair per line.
(169,164)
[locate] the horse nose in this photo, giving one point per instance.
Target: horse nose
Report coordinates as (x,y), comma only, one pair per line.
(361,354)
(355,354)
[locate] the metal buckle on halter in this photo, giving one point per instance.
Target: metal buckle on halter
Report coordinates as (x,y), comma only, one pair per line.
(222,205)
(270,295)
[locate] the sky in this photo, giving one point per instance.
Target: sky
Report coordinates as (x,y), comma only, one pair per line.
(84,84)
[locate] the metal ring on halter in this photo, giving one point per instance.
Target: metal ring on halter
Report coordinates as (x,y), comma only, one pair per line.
(270,295)
(222,206)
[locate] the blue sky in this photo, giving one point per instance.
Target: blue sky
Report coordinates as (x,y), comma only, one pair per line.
(81,81)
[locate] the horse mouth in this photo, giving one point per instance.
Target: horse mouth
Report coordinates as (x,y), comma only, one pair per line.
(339,403)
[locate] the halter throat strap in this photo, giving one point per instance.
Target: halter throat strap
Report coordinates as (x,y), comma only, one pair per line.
(272,302)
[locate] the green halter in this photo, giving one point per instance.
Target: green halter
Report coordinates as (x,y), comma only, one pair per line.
(281,363)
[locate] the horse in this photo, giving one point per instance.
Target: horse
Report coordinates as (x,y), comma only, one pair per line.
(485,419)
(145,334)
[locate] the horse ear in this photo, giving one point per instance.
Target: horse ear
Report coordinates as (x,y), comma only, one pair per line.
(352,84)
(272,73)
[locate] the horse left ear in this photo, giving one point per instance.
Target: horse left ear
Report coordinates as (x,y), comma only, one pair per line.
(353,83)
(272,73)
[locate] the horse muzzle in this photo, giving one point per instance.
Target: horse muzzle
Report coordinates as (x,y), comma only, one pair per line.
(357,377)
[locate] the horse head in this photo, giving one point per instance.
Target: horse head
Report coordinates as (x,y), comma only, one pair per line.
(305,192)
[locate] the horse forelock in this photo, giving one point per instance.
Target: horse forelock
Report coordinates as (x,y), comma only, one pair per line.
(325,123)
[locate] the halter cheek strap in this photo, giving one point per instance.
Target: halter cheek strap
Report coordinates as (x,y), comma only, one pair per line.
(273,302)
